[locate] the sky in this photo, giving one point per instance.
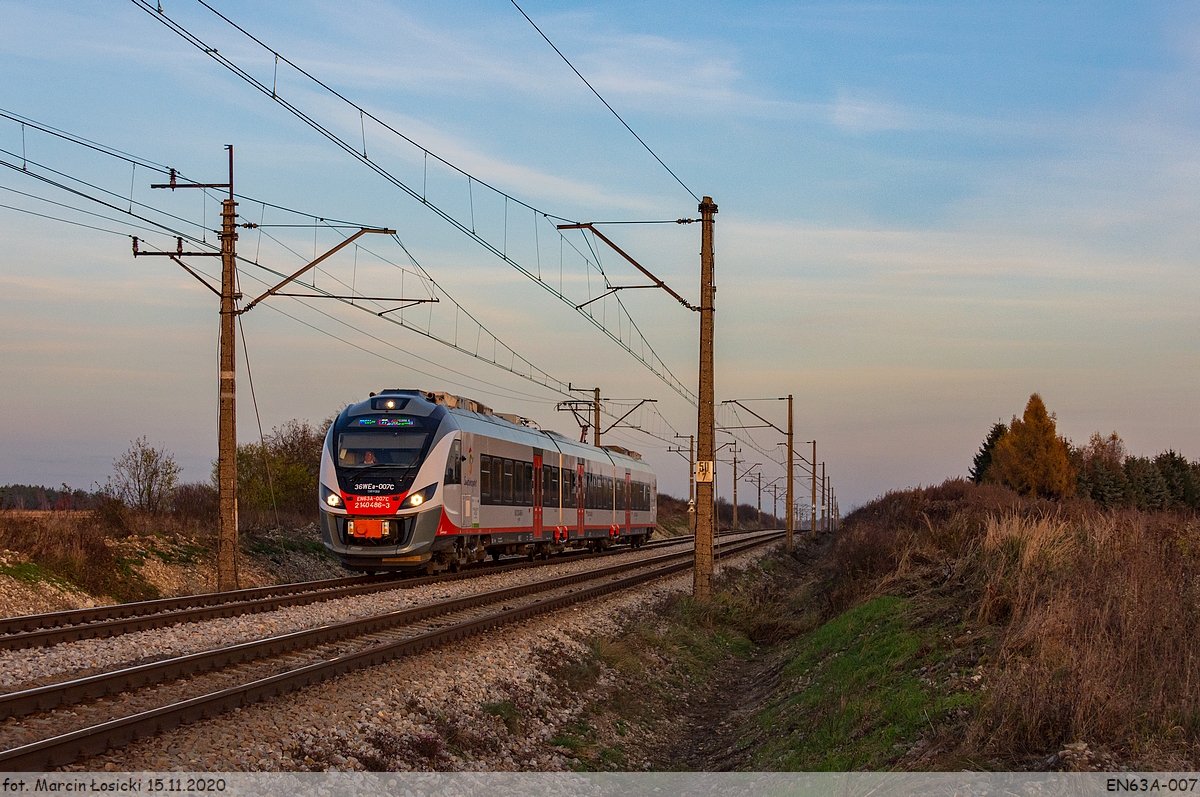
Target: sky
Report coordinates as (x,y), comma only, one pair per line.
(927,212)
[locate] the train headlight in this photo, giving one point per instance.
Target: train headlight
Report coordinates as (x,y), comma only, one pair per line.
(331,499)
(420,496)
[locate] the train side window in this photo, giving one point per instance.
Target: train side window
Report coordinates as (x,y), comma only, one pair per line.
(507,493)
(485,479)
(620,495)
(454,464)
(568,488)
(520,483)
(527,484)
(549,485)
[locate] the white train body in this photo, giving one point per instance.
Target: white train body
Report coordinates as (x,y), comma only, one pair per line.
(411,480)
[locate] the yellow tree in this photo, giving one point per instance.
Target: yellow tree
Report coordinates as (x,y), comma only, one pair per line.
(1032,458)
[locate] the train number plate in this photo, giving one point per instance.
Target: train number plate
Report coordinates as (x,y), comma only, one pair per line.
(372,529)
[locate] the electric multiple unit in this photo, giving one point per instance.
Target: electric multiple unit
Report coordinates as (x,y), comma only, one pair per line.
(412,480)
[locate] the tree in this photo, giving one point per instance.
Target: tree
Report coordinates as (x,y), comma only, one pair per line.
(1181,478)
(1100,466)
(282,475)
(144,477)
(1148,490)
(1031,458)
(983,459)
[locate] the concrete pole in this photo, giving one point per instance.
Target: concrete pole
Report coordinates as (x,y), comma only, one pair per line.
(791,485)
(227,534)
(706,418)
(692,484)
(824,494)
(758,516)
(812,523)
(735,481)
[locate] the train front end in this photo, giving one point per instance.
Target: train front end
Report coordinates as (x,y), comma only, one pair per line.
(382,469)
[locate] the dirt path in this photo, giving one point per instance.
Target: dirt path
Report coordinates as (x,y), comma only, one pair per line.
(716,732)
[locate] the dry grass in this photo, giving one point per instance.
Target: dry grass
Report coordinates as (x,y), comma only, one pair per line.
(1102,641)
(75,547)
(1097,613)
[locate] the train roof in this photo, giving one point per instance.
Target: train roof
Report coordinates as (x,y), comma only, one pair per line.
(473,416)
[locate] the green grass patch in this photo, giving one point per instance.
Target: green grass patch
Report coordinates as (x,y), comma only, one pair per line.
(182,554)
(858,691)
(268,547)
(508,713)
(29,572)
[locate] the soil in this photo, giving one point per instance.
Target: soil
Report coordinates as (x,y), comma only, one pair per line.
(715,738)
(715,734)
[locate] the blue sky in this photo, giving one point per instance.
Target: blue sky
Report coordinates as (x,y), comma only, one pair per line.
(928,211)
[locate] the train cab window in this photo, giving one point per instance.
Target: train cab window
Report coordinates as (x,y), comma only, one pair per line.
(508,483)
(454,464)
(485,480)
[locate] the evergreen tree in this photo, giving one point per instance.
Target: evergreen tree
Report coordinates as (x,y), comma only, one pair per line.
(1101,472)
(1032,458)
(1180,477)
(1147,488)
(983,459)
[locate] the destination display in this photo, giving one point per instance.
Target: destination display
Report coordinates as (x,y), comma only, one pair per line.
(387,421)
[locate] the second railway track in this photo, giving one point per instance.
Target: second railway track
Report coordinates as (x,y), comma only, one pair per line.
(188,688)
(44,630)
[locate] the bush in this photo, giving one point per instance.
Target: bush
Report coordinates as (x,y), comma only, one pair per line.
(1095,613)
(197,501)
(144,477)
(75,549)
(280,479)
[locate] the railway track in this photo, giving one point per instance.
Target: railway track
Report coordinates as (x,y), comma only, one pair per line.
(44,630)
(190,688)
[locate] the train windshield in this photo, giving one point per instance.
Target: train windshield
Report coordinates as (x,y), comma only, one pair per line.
(374,448)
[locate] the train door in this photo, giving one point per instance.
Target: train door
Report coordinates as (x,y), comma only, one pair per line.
(538,486)
(579,494)
(452,498)
(628,503)
(469,457)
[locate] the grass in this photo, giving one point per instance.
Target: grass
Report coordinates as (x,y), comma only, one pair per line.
(1095,613)
(72,549)
(858,692)
(508,713)
(273,547)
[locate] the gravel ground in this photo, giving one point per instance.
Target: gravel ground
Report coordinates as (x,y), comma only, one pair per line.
(492,702)
(19,668)
(19,597)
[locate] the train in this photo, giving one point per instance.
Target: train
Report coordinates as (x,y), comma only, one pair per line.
(412,480)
